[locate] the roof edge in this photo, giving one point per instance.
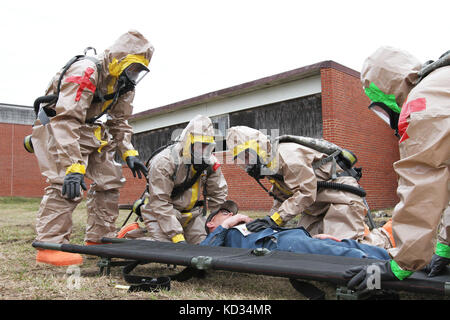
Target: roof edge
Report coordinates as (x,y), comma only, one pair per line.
(15,105)
(269,81)
(330,64)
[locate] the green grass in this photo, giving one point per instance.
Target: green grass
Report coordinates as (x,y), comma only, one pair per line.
(19,201)
(22,278)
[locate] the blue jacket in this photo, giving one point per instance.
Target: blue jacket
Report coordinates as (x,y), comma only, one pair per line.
(293,240)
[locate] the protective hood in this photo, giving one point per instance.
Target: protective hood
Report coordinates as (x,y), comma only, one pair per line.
(199,129)
(388,75)
(131,48)
(242,138)
(132,45)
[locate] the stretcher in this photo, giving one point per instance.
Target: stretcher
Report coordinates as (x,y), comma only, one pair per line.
(294,266)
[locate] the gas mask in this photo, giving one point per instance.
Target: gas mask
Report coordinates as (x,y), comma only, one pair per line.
(202,155)
(130,77)
(134,73)
(386,114)
(259,170)
(250,162)
(129,71)
(384,105)
(254,170)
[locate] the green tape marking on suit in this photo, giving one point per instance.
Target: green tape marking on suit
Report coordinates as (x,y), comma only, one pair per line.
(443,250)
(399,272)
(376,95)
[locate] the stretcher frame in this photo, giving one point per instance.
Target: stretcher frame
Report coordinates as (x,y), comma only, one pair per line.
(294,266)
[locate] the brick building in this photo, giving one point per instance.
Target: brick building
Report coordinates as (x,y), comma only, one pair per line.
(323,100)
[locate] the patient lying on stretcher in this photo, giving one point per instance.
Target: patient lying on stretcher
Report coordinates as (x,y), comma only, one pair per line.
(227,228)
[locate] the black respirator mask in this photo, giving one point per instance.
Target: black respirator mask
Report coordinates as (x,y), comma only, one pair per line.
(253,164)
(201,155)
(254,170)
(134,73)
(128,80)
(131,76)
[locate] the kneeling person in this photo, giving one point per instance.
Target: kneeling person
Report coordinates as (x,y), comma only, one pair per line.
(177,177)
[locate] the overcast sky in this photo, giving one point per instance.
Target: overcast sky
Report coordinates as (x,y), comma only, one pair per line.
(203,46)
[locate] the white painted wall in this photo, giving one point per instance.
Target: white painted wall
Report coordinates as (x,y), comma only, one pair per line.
(260,97)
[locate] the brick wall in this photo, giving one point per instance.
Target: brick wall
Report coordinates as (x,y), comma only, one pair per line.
(242,188)
(350,124)
(19,171)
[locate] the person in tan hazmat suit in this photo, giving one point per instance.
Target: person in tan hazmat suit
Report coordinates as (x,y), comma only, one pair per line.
(292,170)
(71,141)
(413,98)
(178,178)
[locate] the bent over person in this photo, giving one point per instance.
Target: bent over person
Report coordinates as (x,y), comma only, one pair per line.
(294,170)
(71,140)
(184,180)
(414,100)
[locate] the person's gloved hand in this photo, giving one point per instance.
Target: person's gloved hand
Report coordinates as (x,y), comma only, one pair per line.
(359,277)
(71,185)
(179,238)
(136,166)
(437,265)
(261,224)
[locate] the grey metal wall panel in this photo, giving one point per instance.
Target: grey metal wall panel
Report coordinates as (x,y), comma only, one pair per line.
(300,116)
(16,114)
(146,142)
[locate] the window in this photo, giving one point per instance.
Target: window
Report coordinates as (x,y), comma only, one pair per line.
(221,124)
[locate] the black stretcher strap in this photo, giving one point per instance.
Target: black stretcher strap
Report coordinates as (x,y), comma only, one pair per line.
(144,283)
(275,263)
(307,289)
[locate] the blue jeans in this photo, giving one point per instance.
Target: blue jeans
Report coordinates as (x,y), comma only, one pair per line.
(297,240)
